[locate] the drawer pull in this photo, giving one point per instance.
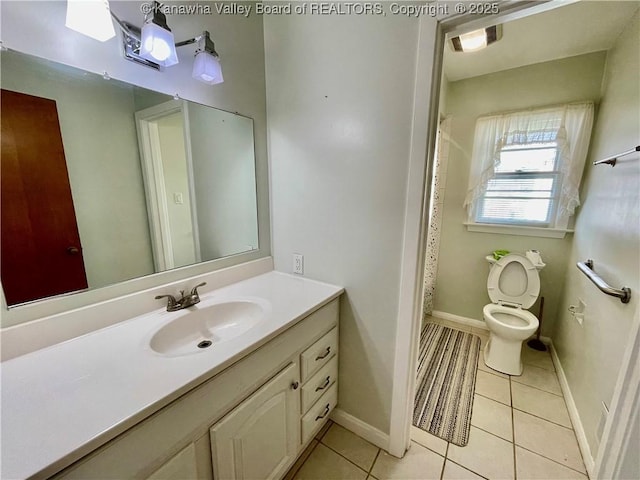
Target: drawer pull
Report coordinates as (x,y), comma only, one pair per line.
(324,355)
(326,412)
(326,384)
(295,385)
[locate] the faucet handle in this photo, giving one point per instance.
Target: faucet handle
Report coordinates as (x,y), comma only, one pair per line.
(171,301)
(194,290)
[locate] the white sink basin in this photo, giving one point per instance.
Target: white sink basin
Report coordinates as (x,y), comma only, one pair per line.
(199,328)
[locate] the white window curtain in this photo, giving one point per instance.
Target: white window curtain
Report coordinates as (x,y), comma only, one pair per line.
(568,125)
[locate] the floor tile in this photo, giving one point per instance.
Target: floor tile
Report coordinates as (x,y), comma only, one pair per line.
(324,463)
(537,358)
(485,454)
(540,378)
(530,466)
(483,339)
(494,387)
(547,439)
(300,461)
(493,417)
(539,403)
(454,471)
(351,446)
(432,442)
(419,463)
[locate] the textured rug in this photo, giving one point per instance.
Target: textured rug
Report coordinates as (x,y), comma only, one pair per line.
(446,382)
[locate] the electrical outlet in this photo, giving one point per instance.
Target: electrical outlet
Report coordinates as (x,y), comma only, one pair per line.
(298,263)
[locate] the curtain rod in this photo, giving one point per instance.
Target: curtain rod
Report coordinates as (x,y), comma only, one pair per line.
(613,159)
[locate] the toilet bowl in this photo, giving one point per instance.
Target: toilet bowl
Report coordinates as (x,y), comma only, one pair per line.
(513,286)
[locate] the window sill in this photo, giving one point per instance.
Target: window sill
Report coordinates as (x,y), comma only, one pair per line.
(517,230)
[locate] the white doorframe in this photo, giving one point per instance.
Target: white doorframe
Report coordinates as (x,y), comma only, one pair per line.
(424,128)
(154,185)
(624,412)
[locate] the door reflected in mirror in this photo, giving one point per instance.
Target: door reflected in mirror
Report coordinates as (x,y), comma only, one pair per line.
(152,183)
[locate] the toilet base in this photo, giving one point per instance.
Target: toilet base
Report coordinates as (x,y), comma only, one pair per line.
(503,355)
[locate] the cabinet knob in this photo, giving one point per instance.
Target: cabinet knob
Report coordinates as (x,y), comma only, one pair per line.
(72,250)
(295,385)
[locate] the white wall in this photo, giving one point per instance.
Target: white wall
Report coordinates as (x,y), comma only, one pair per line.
(340,104)
(461,282)
(607,231)
(37,28)
(97,166)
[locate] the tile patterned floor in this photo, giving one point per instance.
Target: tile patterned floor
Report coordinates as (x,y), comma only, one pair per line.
(520,431)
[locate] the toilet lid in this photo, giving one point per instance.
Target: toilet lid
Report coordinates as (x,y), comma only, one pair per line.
(514,279)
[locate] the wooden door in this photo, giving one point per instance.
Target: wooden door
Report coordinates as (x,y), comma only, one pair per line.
(259,438)
(41,251)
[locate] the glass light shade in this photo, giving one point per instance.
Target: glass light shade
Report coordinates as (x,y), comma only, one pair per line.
(157,45)
(207,68)
(473,41)
(91,18)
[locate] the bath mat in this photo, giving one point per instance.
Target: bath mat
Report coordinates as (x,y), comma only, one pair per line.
(447,367)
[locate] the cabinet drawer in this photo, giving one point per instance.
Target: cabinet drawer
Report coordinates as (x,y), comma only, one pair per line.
(319,383)
(319,354)
(319,413)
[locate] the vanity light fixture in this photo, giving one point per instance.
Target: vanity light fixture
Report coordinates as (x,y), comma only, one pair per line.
(477,39)
(156,40)
(91,18)
(206,64)
(153,45)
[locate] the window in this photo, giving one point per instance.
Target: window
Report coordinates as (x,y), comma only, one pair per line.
(524,189)
(526,167)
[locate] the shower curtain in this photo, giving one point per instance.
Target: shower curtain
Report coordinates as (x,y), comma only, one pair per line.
(435,213)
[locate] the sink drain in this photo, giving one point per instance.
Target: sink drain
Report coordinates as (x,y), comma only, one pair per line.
(205,344)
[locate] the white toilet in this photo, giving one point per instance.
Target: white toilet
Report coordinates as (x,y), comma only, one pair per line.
(513,286)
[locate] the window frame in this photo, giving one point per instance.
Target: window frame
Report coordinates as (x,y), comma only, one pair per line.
(554,197)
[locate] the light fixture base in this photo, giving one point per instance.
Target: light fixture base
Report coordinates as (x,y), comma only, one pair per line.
(131,47)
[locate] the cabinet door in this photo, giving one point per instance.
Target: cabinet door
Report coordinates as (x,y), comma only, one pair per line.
(260,437)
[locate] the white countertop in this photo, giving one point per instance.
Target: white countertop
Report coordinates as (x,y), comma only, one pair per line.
(62,402)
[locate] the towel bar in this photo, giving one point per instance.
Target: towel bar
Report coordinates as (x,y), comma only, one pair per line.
(624,294)
(612,160)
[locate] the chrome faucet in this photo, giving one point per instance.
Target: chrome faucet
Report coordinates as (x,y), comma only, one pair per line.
(184,301)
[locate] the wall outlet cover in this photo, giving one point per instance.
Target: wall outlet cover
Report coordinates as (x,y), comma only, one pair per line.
(298,263)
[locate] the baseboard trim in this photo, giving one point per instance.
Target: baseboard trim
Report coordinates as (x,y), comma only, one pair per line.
(574,415)
(472,322)
(360,428)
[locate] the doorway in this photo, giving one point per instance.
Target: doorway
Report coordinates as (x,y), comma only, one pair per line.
(165,147)
(41,253)
(556,279)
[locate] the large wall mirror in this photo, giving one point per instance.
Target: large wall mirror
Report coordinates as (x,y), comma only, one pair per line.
(103,181)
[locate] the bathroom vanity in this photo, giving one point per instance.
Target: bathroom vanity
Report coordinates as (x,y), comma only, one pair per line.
(133,401)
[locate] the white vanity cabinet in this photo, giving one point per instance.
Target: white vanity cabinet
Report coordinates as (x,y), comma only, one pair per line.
(185,464)
(260,438)
(249,421)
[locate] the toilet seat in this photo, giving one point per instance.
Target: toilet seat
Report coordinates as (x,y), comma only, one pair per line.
(510,270)
(513,318)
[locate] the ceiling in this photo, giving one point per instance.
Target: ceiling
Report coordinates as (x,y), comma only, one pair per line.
(574,29)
